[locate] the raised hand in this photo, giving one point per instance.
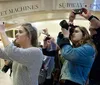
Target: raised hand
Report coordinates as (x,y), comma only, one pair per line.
(65,32)
(72,17)
(2,27)
(86,13)
(45,31)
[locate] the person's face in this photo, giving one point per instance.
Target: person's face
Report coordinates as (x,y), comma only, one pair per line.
(47,43)
(77,35)
(21,36)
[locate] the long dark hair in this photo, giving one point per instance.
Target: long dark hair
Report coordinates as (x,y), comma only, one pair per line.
(32,33)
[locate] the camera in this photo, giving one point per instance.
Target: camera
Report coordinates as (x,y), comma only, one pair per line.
(64,24)
(47,38)
(78,11)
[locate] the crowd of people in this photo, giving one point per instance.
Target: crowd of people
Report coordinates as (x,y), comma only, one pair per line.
(71,60)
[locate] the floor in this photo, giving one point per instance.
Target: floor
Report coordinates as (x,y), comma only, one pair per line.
(5,79)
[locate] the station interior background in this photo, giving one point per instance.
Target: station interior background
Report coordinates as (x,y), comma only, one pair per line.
(43,14)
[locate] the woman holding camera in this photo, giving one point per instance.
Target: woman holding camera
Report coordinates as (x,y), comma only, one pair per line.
(27,59)
(79,56)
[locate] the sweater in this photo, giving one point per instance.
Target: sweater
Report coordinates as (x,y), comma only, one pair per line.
(78,62)
(26,64)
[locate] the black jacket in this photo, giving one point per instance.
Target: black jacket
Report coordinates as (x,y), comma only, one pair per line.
(55,54)
(95,70)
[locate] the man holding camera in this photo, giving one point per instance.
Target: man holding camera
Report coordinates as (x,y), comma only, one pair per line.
(95,32)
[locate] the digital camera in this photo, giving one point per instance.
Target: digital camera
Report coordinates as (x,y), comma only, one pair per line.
(64,24)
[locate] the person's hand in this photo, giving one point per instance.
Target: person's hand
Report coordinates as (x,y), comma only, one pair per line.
(52,39)
(45,31)
(2,27)
(45,44)
(48,43)
(86,13)
(65,32)
(72,17)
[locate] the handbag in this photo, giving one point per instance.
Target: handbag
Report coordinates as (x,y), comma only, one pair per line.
(7,67)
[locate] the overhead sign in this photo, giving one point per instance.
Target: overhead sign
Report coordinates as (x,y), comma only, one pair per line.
(76,4)
(17,7)
(69,4)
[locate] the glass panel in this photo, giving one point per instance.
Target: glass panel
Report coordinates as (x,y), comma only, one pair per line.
(9,33)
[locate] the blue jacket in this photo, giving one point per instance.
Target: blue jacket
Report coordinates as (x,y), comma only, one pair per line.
(78,62)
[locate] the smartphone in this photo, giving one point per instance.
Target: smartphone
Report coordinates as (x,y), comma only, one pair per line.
(78,11)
